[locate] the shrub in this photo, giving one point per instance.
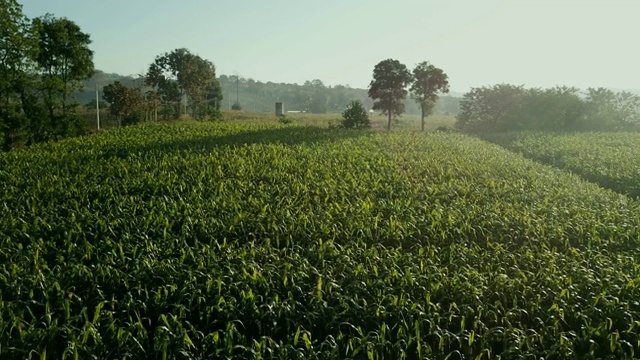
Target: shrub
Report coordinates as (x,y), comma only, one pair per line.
(133,118)
(285,120)
(355,116)
(214,114)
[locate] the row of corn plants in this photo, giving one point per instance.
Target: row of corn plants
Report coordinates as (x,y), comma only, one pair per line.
(200,241)
(611,160)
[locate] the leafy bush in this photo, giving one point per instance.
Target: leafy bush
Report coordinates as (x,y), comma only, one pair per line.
(68,125)
(214,114)
(236,106)
(285,120)
(355,116)
(133,118)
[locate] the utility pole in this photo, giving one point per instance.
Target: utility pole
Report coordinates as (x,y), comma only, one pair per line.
(185,104)
(237,90)
(97,107)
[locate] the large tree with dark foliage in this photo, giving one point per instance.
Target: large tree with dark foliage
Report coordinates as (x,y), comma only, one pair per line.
(42,64)
(182,73)
(388,87)
(63,60)
(123,101)
(428,81)
(16,49)
(495,108)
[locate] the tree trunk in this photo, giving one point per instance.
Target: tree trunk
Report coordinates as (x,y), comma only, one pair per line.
(389,124)
(422,117)
(64,101)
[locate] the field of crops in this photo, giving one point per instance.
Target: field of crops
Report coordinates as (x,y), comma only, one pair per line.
(609,159)
(378,121)
(200,241)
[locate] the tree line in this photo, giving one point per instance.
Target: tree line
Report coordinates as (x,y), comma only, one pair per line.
(313,96)
(147,95)
(42,64)
(506,107)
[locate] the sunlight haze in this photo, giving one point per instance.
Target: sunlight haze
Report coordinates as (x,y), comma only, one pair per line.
(533,43)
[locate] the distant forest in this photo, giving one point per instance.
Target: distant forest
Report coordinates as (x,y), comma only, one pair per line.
(255,96)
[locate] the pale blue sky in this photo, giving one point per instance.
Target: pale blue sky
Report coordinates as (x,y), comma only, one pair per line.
(476,42)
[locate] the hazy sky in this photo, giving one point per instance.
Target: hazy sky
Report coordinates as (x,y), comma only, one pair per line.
(476,42)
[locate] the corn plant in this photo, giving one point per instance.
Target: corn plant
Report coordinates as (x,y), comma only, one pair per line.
(199,241)
(611,160)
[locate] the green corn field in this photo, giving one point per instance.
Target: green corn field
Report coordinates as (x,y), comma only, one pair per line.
(609,159)
(262,241)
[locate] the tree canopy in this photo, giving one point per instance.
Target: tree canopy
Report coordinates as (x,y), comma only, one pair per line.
(123,101)
(16,49)
(388,87)
(428,81)
(182,73)
(63,61)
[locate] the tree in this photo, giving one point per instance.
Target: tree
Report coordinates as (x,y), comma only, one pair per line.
(388,87)
(608,110)
(355,116)
(627,106)
(338,97)
(214,101)
(185,73)
(428,80)
(63,60)
(507,107)
(495,108)
(315,96)
(16,49)
(123,102)
(568,109)
(198,80)
(152,104)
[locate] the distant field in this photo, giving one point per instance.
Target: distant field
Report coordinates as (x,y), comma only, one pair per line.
(379,122)
(227,240)
(609,159)
(323,120)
